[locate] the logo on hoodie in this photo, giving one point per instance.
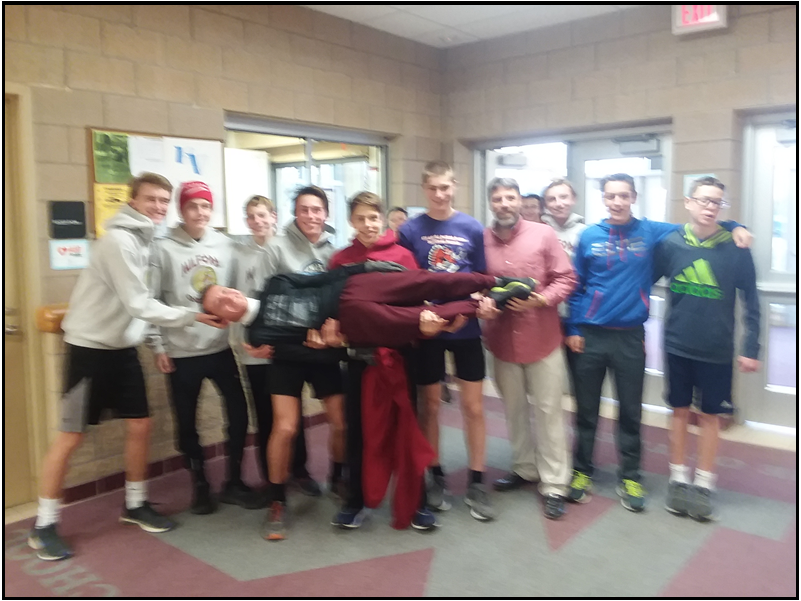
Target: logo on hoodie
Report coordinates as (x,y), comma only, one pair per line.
(697,280)
(201,278)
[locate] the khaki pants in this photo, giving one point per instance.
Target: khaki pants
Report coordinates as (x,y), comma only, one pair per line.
(542,457)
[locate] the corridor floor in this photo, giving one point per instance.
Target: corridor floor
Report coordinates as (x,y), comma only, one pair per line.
(596,550)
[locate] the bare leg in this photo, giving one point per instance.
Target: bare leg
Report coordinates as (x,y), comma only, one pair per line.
(678,435)
(335,412)
(285,428)
(137,445)
(56,462)
(708,442)
(472,396)
(431,417)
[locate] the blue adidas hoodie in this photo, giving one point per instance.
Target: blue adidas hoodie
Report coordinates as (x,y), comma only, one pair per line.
(614,264)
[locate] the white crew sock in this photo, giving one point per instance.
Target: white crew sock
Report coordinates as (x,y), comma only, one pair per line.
(679,473)
(135,494)
(48,512)
(705,479)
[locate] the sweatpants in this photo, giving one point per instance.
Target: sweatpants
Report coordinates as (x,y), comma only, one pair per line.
(622,351)
(185,383)
(355,435)
(537,385)
(383,309)
(259,378)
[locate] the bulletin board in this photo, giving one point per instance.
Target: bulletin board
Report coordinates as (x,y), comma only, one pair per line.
(116,156)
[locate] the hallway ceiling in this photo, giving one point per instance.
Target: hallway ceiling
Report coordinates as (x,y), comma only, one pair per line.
(447,25)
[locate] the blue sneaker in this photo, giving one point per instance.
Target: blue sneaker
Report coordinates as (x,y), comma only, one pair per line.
(349,518)
(424,520)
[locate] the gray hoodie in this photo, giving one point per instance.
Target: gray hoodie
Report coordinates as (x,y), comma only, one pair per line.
(182,268)
(294,253)
(568,235)
(111,301)
(249,276)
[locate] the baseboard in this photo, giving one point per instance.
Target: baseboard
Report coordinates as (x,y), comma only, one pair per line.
(163,466)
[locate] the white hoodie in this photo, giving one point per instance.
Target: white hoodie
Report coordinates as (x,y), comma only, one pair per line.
(568,235)
(295,253)
(111,301)
(250,275)
(182,268)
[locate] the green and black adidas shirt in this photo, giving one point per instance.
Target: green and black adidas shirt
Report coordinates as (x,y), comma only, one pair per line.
(704,277)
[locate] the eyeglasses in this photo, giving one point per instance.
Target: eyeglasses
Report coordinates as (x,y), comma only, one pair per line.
(705,201)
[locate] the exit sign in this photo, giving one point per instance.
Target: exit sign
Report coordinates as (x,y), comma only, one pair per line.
(690,18)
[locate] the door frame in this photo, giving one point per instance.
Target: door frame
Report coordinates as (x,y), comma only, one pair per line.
(25,212)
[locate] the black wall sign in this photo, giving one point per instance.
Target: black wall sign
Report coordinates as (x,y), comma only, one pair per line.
(67,219)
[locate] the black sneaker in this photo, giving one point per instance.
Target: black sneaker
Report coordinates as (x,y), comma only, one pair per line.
(308,486)
(424,520)
(506,280)
(510,481)
(48,544)
(349,518)
(239,493)
(202,503)
(274,527)
(554,507)
(147,518)
(514,289)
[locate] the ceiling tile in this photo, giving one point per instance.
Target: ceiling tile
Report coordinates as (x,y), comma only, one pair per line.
(403,24)
(359,13)
(450,16)
(445,38)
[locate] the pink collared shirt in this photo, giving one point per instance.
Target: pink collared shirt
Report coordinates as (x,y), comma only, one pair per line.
(534,251)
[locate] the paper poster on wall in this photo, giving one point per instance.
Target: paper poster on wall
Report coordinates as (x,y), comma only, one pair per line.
(111,157)
(247,172)
(109,198)
(145,153)
(69,254)
(186,160)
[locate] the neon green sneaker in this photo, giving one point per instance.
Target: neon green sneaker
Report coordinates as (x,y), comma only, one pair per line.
(632,495)
(580,488)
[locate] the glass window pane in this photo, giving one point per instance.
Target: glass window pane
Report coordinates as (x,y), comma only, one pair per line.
(654,332)
(782,354)
(538,165)
(651,193)
(783,247)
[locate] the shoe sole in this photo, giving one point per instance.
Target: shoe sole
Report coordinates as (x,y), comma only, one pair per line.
(145,526)
(444,506)
(678,512)
(425,528)
(275,537)
(703,519)
(584,498)
(33,544)
(479,516)
(621,494)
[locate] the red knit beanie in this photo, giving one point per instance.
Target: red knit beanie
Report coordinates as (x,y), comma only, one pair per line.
(190,190)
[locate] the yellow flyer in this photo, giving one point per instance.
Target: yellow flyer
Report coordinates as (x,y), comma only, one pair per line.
(109,198)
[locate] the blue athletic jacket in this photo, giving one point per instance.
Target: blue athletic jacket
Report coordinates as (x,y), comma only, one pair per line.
(615,264)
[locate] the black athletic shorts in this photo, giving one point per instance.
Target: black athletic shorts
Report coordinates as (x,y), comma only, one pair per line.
(287,378)
(468,355)
(712,381)
(100,380)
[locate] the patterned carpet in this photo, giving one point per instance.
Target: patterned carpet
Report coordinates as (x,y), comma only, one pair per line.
(597,550)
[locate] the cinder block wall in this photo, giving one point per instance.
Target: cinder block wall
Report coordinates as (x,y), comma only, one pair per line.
(623,69)
(175,70)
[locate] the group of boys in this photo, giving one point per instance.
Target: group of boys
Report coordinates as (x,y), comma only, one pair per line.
(583,289)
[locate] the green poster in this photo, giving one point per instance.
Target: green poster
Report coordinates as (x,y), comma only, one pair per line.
(110,151)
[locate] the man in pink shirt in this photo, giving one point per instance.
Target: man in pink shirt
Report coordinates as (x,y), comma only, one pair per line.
(526,344)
